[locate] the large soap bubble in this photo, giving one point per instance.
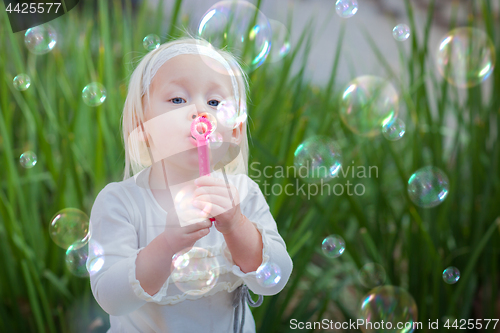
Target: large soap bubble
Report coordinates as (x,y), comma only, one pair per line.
(368,103)
(318,159)
(195,271)
(241,27)
(466,57)
(428,187)
(70,226)
(40,39)
(383,308)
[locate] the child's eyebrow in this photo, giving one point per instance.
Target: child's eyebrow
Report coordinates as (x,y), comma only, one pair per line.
(182,83)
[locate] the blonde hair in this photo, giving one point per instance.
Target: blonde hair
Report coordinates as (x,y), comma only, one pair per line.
(136,152)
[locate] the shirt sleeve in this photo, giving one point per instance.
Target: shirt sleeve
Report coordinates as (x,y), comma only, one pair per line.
(256,209)
(113,250)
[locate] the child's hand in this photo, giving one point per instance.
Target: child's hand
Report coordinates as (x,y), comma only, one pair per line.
(180,238)
(222,200)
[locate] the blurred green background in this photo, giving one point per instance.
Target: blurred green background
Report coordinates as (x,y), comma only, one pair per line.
(79,151)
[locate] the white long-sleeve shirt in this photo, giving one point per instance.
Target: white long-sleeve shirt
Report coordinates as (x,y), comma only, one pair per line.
(126,217)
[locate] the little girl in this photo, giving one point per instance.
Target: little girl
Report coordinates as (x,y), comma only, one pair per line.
(167,219)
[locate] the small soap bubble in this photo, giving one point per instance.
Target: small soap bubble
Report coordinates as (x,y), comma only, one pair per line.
(372,275)
(368,103)
(401,32)
(466,57)
(78,256)
(94,94)
(268,275)
(22,82)
(391,305)
(451,275)
(280,45)
(394,130)
(318,159)
(40,39)
(151,42)
(215,140)
(346,8)
(232,24)
(195,271)
(28,159)
(333,246)
(428,187)
(68,227)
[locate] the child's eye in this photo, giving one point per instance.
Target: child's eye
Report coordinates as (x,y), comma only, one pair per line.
(177,100)
(213,102)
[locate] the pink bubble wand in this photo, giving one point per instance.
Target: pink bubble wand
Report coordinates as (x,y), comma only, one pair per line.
(201,128)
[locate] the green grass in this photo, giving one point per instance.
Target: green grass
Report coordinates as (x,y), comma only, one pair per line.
(79,151)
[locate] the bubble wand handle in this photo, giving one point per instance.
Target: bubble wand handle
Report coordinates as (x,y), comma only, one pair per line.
(201,128)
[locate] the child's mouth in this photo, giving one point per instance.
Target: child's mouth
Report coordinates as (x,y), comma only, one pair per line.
(193,140)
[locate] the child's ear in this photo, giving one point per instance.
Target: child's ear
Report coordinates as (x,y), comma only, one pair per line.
(237,134)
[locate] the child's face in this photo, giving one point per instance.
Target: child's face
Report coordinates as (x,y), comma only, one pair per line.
(183,88)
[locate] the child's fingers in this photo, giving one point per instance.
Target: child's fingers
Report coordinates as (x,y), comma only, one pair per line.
(214,208)
(197,226)
(202,201)
(194,236)
(222,191)
(215,190)
(209,181)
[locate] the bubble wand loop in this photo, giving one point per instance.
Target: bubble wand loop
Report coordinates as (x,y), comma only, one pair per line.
(201,128)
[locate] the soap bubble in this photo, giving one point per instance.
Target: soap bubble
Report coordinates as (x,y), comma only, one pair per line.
(28,159)
(428,187)
(320,157)
(94,94)
(40,39)
(69,226)
(333,246)
(466,57)
(401,32)
(215,140)
(389,304)
(280,43)
(151,42)
(22,82)
(231,24)
(368,103)
(394,130)
(227,114)
(346,8)
(451,275)
(77,256)
(268,275)
(372,275)
(195,271)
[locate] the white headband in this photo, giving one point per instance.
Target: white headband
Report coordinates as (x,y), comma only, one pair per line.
(178,49)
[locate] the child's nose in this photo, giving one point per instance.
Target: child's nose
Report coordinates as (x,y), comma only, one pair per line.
(193,114)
